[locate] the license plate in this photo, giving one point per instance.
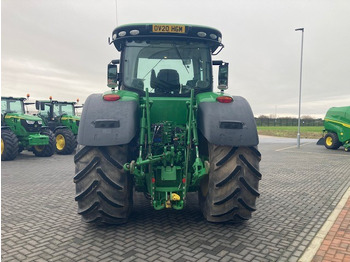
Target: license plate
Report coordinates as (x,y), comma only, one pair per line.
(180,29)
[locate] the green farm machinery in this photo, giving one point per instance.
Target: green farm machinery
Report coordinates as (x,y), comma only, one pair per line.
(163,131)
(60,117)
(337,128)
(20,131)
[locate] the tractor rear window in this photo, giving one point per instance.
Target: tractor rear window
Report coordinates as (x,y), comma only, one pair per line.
(167,69)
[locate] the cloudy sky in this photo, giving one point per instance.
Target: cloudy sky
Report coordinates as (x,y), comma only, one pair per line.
(59,47)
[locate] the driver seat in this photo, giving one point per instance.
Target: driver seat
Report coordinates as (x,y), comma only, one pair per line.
(167,80)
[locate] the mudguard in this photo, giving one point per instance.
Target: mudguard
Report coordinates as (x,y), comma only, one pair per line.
(107,123)
(230,124)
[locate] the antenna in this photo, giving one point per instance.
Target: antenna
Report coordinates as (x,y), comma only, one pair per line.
(116,12)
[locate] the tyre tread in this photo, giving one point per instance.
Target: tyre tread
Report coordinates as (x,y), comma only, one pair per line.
(82,173)
(104,176)
(110,158)
(88,190)
(251,167)
(108,200)
(232,210)
(88,209)
(230,190)
(246,206)
(104,191)
(229,177)
(249,187)
(82,152)
(227,198)
(227,156)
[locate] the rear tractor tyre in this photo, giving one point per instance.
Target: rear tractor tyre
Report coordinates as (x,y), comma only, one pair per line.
(65,141)
(104,190)
(46,150)
(331,141)
(9,145)
(229,192)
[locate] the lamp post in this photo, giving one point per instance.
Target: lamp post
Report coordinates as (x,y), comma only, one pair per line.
(301,71)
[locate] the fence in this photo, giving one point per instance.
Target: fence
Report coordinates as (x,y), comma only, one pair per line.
(288,122)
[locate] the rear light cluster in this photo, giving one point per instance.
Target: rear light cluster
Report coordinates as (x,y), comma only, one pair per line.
(111,97)
(224,99)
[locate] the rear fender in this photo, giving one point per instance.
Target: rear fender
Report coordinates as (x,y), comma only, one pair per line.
(230,124)
(106,123)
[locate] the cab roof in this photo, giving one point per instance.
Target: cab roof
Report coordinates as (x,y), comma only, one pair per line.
(56,102)
(13,98)
(210,36)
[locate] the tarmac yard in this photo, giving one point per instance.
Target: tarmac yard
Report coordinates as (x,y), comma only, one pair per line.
(300,189)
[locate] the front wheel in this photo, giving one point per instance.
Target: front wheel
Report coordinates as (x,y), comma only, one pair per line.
(230,190)
(65,141)
(103,189)
(9,145)
(45,150)
(331,141)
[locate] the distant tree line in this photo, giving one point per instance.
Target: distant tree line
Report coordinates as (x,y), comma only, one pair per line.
(264,120)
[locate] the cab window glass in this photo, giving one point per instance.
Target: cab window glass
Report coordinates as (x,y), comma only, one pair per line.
(60,109)
(12,106)
(167,68)
(3,106)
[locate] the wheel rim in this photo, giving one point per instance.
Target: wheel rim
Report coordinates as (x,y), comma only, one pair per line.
(39,148)
(329,141)
(60,142)
(2,146)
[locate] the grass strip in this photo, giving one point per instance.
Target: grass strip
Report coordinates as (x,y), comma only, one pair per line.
(291,131)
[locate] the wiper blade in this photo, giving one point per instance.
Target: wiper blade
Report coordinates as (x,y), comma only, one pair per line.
(152,69)
(183,61)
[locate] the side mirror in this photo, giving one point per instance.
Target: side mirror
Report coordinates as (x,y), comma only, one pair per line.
(39,105)
(223,76)
(112,76)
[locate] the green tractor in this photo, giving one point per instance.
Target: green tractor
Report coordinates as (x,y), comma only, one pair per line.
(20,131)
(337,128)
(163,131)
(60,117)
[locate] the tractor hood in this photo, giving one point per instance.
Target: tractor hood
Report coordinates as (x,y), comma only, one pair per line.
(22,116)
(67,117)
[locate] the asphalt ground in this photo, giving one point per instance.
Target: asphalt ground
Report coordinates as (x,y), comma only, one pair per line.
(299,190)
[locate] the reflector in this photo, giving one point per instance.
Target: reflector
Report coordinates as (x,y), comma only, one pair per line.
(224,99)
(111,97)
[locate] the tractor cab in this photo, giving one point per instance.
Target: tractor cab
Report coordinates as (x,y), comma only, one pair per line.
(60,117)
(12,105)
(57,113)
(168,60)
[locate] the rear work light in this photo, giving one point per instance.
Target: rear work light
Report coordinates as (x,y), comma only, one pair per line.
(111,97)
(224,99)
